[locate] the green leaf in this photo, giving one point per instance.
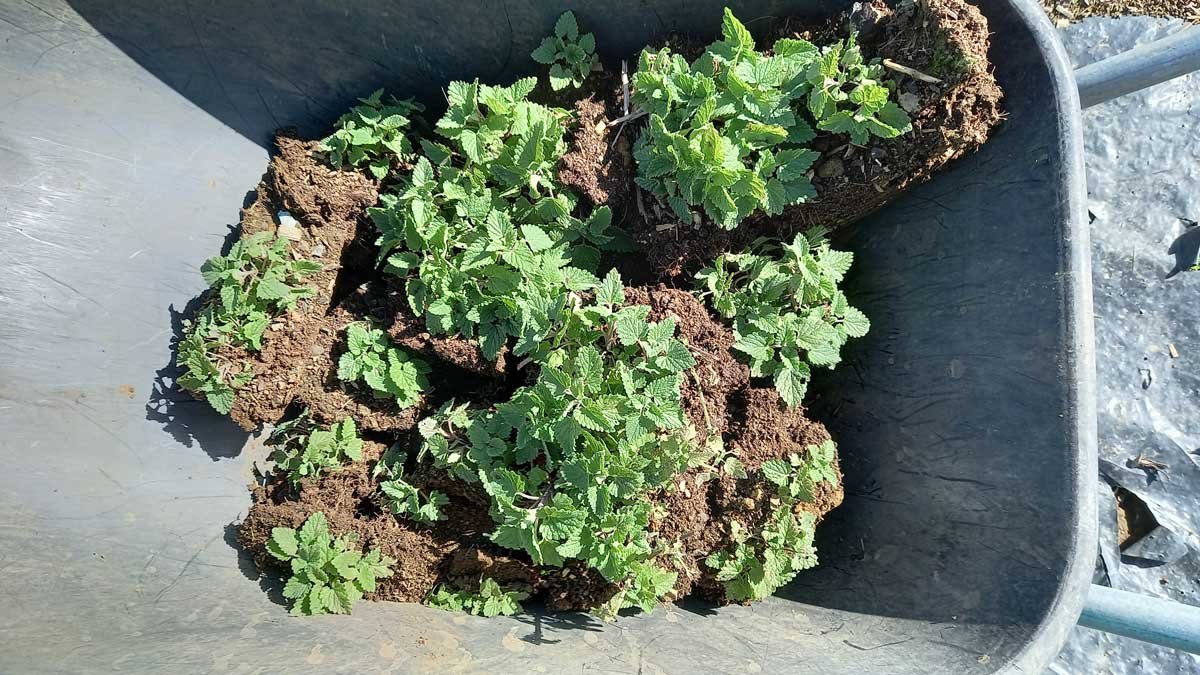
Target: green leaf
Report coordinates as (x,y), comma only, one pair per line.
(546,52)
(792,384)
(777,471)
(575,279)
(735,34)
(345,563)
(591,416)
(611,291)
(536,237)
(631,324)
(221,399)
(283,544)
(856,323)
(316,526)
(566,26)
(776,198)
(678,358)
(758,346)
(295,589)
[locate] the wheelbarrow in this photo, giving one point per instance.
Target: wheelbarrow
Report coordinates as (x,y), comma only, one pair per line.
(129,135)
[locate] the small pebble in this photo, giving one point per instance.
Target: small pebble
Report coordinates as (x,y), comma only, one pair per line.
(831,168)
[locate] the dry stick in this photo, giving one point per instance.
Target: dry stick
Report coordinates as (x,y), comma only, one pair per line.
(625,86)
(641,206)
(616,137)
(703,402)
(627,118)
(911,72)
(624,101)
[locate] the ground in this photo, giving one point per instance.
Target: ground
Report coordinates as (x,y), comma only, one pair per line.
(1064,12)
(1147,343)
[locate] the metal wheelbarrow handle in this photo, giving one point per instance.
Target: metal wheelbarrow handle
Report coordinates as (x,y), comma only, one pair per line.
(1143,66)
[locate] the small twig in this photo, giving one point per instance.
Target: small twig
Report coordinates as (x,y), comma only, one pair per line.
(663,227)
(625,85)
(616,136)
(524,362)
(627,118)
(1143,462)
(640,204)
(703,402)
(911,72)
(545,498)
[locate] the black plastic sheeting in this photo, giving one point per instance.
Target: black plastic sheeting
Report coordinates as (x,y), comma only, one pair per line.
(1143,177)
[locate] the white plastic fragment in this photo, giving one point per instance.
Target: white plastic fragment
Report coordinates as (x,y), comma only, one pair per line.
(289,227)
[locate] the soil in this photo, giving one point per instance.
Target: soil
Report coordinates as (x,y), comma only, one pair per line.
(699,515)
(717,374)
(297,366)
(597,167)
(946,39)
(1064,13)
(1134,518)
(349,500)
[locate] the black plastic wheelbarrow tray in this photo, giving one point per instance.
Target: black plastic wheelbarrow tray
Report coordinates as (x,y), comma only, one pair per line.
(130,132)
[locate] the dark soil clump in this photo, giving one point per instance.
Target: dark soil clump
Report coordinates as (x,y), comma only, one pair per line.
(732,416)
(347,498)
(597,166)
(717,373)
(298,361)
(330,207)
(701,505)
(947,39)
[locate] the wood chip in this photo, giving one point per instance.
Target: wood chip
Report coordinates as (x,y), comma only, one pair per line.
(1172,351)
(663,227)
(911,72)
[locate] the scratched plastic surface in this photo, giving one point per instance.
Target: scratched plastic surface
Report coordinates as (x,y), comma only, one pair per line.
(130,133)
(1139,185)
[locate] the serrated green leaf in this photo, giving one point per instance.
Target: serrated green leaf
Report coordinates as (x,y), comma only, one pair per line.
(611,292)
(566,27)
(536,237)
(777,471)
(283,544)
(678,358)
(792,384)
(631,325)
